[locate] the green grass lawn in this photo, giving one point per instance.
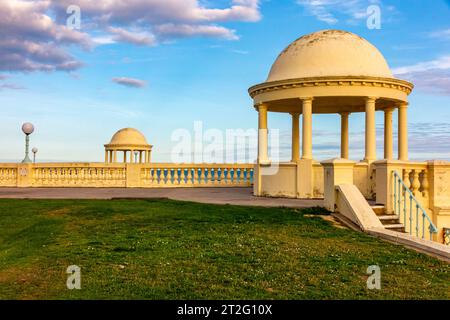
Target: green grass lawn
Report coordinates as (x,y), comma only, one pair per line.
(161,249)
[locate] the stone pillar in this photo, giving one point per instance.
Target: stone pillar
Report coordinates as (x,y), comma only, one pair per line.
(295,137)
(262,135)
(131,156)
(385,181)
(370,130)
(125,156)
(115,156)
(403,132)
(149,156)
(25,175)
(388,134)
(336,171)
(140,156)
(344,135)
(307,128)
(439,195)
(106,156)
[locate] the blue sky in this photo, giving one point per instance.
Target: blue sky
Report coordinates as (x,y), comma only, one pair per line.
(182,62)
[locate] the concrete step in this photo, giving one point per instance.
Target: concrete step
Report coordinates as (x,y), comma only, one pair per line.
(379,210)
(395,227)
(389,219)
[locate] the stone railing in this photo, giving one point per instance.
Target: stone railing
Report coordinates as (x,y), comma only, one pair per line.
(415,177)
(154,175)
(8,175)
(194,175)
(408,208)
(78,175)
(428,184)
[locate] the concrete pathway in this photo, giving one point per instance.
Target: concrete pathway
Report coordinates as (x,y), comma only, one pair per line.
(236,196)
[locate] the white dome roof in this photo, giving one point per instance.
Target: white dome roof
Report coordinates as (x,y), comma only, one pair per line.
(329,53)
(128,136)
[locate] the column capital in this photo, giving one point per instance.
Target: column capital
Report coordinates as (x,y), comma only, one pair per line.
(295,114)
(344,113)
(304,99)
(371,99)
(261,107)
(389,109)
(402,105)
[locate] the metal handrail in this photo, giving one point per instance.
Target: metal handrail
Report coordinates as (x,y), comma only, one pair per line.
(402,188)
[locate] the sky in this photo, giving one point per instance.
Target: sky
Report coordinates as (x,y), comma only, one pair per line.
(161,65)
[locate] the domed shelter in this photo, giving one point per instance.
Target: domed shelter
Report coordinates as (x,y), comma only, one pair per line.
(326,72)
(128,140)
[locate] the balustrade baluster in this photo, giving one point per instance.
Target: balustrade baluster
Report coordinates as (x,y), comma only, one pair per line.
(425,184)
(203,176)
(182,176)
(189,177)
(406,178)
(222,176)
(175,176)
(416,183)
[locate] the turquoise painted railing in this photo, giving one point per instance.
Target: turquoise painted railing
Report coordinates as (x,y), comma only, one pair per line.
(401,196)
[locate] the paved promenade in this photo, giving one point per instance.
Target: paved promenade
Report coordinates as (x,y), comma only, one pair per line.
(237,196)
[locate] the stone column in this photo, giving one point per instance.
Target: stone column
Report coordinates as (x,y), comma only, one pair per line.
(115,156)
(106,156)
(124,156)
(344,134)
(149,156)
(307,128)
(403,132)
(388,133)
(370,130)
(262,134)
(295,137)
(140,156)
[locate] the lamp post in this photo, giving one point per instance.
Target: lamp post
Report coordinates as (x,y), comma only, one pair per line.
(28,129)
(34,150)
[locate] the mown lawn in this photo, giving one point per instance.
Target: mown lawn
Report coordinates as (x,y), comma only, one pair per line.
(161,249)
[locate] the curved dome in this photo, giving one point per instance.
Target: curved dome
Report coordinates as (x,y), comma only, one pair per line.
(128,136)
(329,53)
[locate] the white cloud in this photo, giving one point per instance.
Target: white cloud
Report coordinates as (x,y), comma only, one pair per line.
(442,34)
(31,41)
(442,63)
(11,86)
(34,35)
(180,31)
(136,37)
(144,22)
(429,76)
(130,82)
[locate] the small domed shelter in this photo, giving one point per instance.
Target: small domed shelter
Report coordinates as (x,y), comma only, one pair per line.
(331,72)
(128,140)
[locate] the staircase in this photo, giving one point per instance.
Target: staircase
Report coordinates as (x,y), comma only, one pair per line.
(389,221)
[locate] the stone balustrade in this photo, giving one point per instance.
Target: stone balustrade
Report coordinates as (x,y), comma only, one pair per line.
(8,175)
(78,176)
(194,175)
(154,175)
(415,176)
